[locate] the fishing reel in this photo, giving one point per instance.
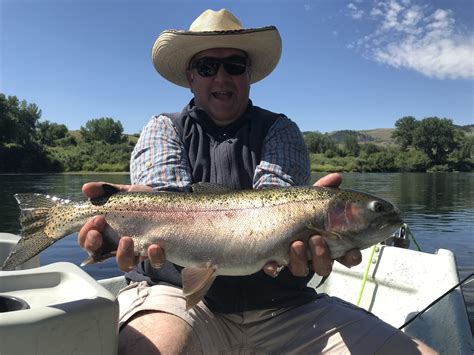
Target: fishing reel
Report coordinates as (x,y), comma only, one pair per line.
(399,239)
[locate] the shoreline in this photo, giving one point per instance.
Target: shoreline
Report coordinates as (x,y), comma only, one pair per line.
(315,171)
(72,173)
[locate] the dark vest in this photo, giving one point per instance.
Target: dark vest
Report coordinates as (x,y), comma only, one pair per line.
(228,156)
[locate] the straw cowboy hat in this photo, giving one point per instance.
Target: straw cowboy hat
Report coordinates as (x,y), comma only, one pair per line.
(173,49)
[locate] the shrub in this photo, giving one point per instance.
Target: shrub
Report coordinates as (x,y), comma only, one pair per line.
(412,161)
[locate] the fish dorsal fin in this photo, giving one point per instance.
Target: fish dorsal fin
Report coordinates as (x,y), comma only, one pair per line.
(196,283)
(28,201)
(323,233)
(207,187)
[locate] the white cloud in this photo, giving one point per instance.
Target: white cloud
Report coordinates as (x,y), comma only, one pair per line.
(420,38)
(307,7)
(354,11)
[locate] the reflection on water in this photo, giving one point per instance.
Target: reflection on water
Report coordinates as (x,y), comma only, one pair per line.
(439,209)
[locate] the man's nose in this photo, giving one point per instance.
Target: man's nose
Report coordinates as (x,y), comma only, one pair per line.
(222,74)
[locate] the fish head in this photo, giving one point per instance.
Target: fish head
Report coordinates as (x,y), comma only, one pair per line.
(361,218)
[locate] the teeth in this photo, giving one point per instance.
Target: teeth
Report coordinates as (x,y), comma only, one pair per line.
(222,95)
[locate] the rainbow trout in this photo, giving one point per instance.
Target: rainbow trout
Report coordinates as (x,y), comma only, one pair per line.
(211,231)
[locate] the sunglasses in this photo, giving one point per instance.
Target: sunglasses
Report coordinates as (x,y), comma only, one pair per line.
(208,66)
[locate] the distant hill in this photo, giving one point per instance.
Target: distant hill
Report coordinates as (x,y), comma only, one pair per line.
(132,138)
(377,136)
(340,136)
(468,129)
(381,135)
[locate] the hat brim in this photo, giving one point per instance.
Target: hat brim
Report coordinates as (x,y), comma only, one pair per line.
(173,50)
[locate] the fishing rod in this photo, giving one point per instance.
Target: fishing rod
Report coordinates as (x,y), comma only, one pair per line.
(437,300)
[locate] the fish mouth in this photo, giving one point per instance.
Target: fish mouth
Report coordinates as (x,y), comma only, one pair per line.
(389,223)
(390,227)
(394,220)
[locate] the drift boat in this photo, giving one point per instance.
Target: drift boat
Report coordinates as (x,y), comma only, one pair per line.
(59,308)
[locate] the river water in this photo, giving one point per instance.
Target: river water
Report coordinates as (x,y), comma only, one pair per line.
(439,209)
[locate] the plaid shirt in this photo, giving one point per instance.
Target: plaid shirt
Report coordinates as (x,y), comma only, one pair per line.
(159,159)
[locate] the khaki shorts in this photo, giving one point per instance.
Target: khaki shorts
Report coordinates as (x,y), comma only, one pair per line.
(326,325)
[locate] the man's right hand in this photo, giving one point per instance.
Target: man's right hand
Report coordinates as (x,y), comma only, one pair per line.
(90,235)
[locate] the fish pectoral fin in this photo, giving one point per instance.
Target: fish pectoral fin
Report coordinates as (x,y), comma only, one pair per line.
(323,233)
(196,283)
(98,257)
(110,240)
(88,261)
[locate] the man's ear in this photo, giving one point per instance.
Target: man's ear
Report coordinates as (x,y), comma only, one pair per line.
(249,72)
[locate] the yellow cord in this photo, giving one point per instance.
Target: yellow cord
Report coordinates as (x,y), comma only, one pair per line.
(366,273)
(410,234)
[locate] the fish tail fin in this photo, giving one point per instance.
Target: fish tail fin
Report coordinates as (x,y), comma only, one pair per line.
(26,248)
(34,215)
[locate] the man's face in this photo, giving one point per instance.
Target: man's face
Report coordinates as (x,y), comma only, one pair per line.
(223,96)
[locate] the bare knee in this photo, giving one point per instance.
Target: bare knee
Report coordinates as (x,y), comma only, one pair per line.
(158,333)
(424,349)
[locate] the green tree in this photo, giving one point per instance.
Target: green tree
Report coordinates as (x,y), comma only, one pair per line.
(466,148)
(49,133)
(103,129)
(383,160)
(369,148)
(28,117)
(412,160)
(436,137)
(67,141)
(461,159)
(18,120)
(7,120)
(404,130)
(351,145)
(318,142)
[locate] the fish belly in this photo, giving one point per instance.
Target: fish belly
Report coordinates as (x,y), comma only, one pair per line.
(238,242)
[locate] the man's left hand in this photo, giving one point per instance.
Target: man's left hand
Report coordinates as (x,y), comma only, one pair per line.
(320,255)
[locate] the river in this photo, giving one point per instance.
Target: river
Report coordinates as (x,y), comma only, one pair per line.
(439,209)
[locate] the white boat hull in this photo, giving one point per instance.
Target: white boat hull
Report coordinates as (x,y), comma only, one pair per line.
(400,283)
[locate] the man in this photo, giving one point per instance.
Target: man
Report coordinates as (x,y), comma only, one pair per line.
(220,137)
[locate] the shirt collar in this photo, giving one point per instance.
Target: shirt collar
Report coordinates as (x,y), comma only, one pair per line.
(201,116)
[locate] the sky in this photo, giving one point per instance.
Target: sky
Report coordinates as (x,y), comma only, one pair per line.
(345,64)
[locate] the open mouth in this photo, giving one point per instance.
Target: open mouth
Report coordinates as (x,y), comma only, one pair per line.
(222,95)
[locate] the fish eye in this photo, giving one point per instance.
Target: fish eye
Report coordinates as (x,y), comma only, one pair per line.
(376,206)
